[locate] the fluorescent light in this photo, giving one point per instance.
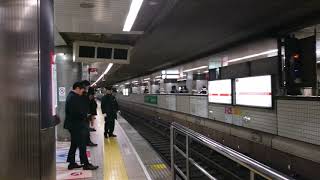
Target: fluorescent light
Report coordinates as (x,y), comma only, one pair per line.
(104,73)
(134,81)
(133,12)
(254,55)
(170,76)
(158,77)
(193,69)
(205,71)
(146,79)
(127,83)
(170,72)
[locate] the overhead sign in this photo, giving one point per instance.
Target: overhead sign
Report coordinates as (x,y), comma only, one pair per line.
(220,91)
(254,91)
(62,94)
(91,70)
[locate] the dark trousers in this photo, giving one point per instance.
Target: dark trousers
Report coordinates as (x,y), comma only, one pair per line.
(78,140)
(88,133)
(108,125)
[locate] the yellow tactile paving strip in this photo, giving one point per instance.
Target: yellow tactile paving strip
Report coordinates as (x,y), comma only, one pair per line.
(114,167)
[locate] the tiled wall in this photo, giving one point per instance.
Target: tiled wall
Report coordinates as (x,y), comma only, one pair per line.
(199,106)
(299,120)
(254,118)
(183,104)
(295,119)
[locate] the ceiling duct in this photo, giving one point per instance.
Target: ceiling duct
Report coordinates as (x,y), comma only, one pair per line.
(91,52)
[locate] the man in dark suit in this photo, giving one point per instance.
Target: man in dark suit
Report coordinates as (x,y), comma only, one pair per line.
(86,107)
(75,122)
(109,108)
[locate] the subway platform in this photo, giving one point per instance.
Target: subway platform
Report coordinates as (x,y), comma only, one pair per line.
(126,157)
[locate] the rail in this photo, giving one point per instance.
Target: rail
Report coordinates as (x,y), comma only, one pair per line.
(252,165)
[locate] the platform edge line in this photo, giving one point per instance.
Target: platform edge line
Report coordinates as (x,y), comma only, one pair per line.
(146,172)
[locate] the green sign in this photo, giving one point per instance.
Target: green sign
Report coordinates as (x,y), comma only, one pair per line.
(151,99)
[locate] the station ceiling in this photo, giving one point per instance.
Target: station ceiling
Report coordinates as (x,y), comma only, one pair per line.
(169,32)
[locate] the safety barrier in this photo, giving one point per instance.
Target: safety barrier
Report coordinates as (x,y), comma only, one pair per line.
(252,165)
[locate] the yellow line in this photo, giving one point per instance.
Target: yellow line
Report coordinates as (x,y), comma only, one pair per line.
(114,167)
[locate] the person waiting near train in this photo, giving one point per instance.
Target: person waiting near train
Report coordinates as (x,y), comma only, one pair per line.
(86,107)
(75,123)
(174,89)
(109,108)
(92,108)
(203,90)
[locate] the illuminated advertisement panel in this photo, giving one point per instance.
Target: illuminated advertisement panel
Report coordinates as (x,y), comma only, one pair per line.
(254,91)
(220,91)
(125,92)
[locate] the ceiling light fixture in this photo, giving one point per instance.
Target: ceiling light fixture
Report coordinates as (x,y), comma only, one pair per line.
(193,69)
(147,79)
(132,15)
(254,55)
(104,73)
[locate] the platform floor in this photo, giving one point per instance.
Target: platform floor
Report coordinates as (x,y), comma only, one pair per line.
(126,157)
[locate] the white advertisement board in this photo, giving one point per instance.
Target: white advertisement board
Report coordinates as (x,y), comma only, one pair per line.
(125,92)
(254,91)
(220,91)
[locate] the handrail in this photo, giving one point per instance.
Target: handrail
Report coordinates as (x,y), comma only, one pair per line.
(254,166)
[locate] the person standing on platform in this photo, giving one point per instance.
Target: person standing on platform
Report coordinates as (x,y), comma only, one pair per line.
(92,108)
(109,108)
(86,107)
(75,122)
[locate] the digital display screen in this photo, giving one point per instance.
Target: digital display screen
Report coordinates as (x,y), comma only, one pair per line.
(254,91)
(104,53)
(220,91)
(120,54)
(86,51)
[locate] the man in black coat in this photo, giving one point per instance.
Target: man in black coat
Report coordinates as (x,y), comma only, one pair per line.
(86,108)
(75,122)
(109,108)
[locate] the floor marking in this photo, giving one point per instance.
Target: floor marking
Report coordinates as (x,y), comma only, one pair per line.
(114,167)
(135,152)
(158,166)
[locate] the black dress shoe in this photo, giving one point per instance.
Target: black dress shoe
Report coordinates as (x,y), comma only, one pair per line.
(92,129)
(90,167)
(112,135)
(73,166)
(91,144)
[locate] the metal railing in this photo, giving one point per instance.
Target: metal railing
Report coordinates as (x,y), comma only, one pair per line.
(252,165)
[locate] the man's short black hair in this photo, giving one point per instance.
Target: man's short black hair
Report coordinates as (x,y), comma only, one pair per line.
(85,83)
(78,85)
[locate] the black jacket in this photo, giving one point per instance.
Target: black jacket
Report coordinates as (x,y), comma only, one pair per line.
(75,112)
(109,106)
(93,107)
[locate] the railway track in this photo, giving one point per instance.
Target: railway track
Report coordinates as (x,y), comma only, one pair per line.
(157,133)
